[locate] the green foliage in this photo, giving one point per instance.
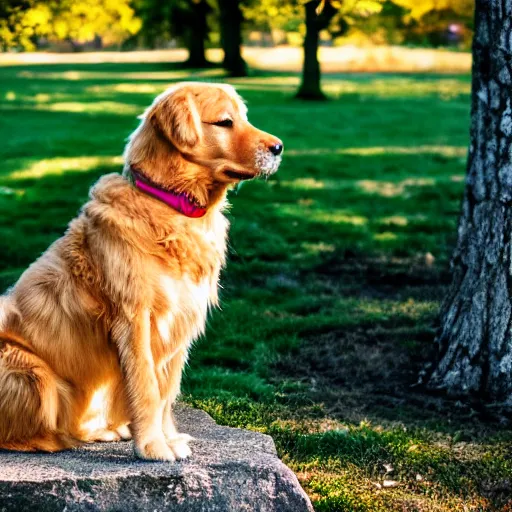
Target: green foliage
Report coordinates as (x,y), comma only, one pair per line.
(427,21)
(22,23)
(268,15)
(25,23)
(418,9)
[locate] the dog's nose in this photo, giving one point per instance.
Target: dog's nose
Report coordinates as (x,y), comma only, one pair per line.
(276,149)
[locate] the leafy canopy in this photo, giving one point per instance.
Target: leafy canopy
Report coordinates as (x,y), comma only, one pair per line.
(22,22)
(418,9)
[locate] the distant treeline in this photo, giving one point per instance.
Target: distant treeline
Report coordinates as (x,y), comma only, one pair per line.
(77,25)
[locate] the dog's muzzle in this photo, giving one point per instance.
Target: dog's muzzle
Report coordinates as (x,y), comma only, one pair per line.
(267,162)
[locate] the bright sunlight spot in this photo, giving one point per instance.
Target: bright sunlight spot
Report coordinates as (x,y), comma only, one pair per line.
(57,166)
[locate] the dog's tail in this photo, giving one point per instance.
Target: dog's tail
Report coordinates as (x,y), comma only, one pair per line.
(34,401)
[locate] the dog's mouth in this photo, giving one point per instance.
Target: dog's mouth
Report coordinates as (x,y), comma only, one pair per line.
(239,175)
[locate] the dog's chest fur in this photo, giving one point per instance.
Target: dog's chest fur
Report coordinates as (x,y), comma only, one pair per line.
(187,282)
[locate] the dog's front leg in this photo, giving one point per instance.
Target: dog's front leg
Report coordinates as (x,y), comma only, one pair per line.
(177,441)
(133,339)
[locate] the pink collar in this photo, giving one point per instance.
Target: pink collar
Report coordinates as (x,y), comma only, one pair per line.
(180,202)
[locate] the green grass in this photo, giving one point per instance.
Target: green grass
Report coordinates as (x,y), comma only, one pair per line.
(336,269)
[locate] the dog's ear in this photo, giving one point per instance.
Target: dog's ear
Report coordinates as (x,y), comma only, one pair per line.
(177,119)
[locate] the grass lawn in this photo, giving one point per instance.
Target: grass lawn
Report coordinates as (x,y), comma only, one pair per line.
(336,269)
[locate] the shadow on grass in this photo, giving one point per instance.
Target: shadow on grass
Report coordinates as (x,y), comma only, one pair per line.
(38,211)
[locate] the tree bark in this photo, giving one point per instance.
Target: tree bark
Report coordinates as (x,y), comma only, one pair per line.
(231,37)
(196,34)
(196,52)
(475,337)
(310,88)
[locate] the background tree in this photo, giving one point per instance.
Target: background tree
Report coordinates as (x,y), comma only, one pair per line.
(187,20)
(231,19)
(156,22)
(323,15)
(475,338)
(24,22)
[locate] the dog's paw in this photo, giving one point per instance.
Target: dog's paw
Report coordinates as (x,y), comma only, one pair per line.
(124,432)
(103,435)
(179,445)
(108,436)
(155,449)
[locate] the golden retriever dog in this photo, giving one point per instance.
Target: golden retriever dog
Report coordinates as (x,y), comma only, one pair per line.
(95,334)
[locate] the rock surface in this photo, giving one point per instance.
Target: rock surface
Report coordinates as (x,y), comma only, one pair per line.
(230,470)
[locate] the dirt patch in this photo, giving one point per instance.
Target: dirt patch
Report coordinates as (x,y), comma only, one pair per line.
(379,277)
(370,372)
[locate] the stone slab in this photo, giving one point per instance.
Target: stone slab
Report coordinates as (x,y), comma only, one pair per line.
(229,470)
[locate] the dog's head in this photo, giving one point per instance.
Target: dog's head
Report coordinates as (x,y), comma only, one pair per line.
(196,138)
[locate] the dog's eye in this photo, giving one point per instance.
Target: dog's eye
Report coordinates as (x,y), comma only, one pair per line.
(226,123)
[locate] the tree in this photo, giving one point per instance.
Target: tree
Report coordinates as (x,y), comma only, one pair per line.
(315,22)
(475,338)
(231,18)
(156,19)
(320,15)
(184,19)
(189,20)
(196,33)
(24,22)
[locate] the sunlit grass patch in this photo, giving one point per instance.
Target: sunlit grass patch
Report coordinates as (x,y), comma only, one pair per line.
(81,107)
(444,88)
(138,88)
(96,107)
(337,217)
(279,81)
(385,236)
(367,467)
(348,58)
(383,309)
(392,189)
(394,220)
(303,183)
(445,151)
(100,76)
(26,99)
(318,248)
(57,166)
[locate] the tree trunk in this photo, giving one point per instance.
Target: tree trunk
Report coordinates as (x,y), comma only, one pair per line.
(231,37)
(475,338)
(196,35)
(310,88)
(196,52)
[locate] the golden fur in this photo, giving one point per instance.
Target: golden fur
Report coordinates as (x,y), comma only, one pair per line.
(95,334)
